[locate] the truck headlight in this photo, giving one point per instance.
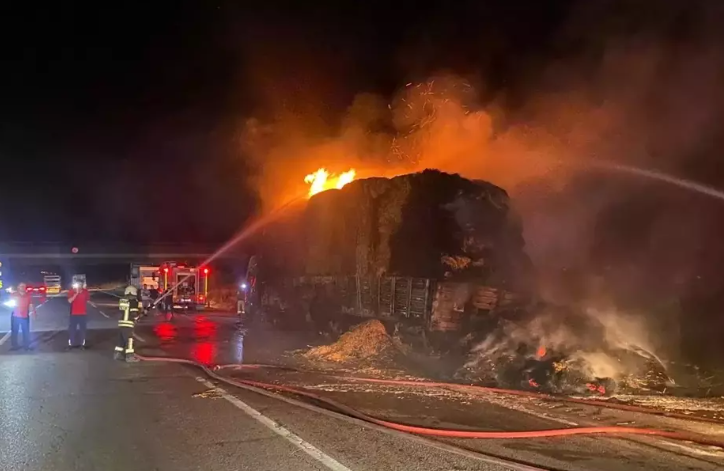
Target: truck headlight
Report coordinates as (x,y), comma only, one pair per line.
(10,303)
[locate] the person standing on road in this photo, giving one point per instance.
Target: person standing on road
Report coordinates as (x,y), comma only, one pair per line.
(130,304)
(154,296)
(78,299)
(161,302)
(167,304)
(145,299)
(20,317)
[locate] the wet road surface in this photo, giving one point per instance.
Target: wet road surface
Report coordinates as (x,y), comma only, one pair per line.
(80,410)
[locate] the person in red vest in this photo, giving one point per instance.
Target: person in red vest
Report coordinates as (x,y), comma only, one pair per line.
(78,299)
(20,318)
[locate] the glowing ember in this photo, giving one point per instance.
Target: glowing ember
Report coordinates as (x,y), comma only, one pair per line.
(322,180)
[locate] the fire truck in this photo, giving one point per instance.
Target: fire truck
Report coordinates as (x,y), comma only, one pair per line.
(189,284)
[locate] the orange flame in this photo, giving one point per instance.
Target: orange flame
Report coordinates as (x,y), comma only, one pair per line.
(322,180)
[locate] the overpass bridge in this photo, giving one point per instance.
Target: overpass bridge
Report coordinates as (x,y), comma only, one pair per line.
(106,253)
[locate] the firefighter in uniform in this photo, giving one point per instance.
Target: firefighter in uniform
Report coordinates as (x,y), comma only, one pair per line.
(130,305)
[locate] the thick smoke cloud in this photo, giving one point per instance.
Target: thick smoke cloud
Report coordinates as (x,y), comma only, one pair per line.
(650,99)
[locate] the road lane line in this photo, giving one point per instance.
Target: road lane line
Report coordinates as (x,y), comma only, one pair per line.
(4,338)
(93,304)
(275,427)
(139,338)
(104,314)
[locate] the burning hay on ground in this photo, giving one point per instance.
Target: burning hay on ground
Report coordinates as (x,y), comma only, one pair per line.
(367,343)
(568,351)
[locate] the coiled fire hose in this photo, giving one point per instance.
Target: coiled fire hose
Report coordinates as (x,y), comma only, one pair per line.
(442,433)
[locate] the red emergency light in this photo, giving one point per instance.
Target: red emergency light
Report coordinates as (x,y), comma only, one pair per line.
(206,271)
(165,270)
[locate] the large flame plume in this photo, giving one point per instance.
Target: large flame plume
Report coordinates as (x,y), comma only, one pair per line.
(322,180)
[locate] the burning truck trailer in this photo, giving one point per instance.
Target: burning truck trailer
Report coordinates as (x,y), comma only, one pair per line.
(433,255)
(428,249)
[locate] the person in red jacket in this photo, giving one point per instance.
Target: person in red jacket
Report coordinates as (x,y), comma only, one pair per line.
(23,306)
(78,299)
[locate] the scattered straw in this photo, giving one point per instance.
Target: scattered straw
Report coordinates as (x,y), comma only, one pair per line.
(366,341)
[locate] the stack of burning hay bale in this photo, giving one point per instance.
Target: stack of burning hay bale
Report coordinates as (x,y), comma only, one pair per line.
(429,224)
(391,248)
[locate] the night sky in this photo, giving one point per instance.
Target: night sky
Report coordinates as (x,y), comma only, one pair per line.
(111,113)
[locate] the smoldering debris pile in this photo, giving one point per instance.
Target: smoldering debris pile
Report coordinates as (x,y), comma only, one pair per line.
(429,224)
(567,351)
(367,342)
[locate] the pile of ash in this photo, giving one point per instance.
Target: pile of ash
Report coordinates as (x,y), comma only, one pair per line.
(367,342)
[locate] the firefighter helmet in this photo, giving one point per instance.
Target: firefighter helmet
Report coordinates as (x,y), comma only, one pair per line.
(131,290)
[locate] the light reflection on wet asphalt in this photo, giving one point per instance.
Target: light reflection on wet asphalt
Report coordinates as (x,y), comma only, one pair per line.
(199,339)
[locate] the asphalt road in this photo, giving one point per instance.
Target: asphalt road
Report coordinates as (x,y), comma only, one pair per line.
(80,410)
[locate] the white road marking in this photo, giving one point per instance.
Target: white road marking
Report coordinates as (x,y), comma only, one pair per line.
(104,314)
(714,451)
(93,304)
(547,417)
(295,440)
(139,338)
(4,338)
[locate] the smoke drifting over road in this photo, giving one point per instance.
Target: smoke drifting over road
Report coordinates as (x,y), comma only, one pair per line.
(650,99)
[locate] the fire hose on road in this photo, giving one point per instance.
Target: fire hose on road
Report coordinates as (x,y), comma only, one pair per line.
(442,433)
(486,389)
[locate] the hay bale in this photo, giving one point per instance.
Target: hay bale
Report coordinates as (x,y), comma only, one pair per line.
(389,218)
(364,342)
(277,246)
(324,235)
(413,225)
